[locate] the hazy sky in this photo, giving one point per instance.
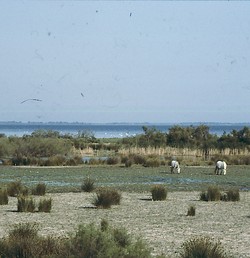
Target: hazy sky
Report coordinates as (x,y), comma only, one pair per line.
(125,61)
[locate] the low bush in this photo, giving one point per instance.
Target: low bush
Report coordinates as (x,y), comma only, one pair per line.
(159,193)
(104,225)
(74,161)
(113,160)
(137,159)
(202,247)
(88,185)
(25,204)
(23,241)
(212,194)
(88,241)
(232,195)
(14,188)
(24,191)
(4,199)
(105,197)
(56,160)
(191,210)
(121,237)
(24,230)
(95,161)
(91,241)
(40,189)
(128,163)
(152,162)
(45,205)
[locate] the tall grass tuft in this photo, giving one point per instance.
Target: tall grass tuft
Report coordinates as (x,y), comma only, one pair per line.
(113,160)
(4,199)
(25,204)
(23,241)
(233,195)
(191,210)
(121,237)
(14,188)
(105,197)
(202,247)
(104,225)
(24,230)
(40,189)
(159,193)
(88,185)
(212,194)
(45,205)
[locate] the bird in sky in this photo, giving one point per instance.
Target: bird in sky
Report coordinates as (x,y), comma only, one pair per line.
(30,100)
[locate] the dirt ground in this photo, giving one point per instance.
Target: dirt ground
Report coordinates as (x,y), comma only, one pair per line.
(162,224)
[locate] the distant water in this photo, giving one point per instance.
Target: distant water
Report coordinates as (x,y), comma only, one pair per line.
(104,130)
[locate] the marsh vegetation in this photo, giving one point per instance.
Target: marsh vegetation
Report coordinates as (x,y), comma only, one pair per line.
(191,145)
(122,177)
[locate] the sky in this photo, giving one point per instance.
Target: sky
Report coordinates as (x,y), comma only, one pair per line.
(125,61)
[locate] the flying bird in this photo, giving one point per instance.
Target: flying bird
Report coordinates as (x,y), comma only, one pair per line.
(82,95)
(30,100)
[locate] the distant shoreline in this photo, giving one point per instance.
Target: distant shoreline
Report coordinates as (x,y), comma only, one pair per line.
(108,130)
(123,123)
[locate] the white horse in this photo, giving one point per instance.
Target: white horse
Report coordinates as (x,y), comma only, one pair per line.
(175,166)
(220,168)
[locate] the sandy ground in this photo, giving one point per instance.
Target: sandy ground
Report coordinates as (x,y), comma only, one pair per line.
(163,224)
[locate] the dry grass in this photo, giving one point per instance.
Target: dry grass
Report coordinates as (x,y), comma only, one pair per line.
(164,225)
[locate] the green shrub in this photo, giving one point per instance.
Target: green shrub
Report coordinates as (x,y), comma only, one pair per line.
(202,247)
(4,199)
(105,197)
(159,193)
(40,189)
(191,211)
(90,241)
(212,194)
(88,185)
(45,205)
(25,204)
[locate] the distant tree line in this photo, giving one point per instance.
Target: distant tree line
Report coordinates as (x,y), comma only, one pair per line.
(190,137)
(44,147)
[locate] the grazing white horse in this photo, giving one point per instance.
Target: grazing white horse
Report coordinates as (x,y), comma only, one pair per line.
(220,168)
(175,166)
